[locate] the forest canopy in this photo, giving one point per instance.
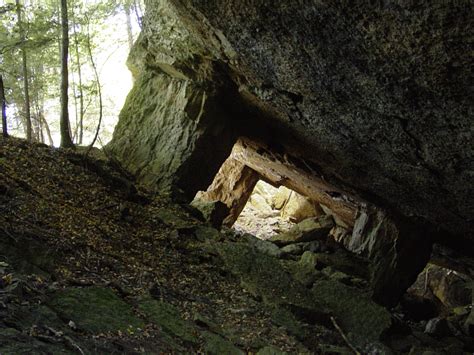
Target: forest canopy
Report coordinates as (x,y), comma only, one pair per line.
(100,35)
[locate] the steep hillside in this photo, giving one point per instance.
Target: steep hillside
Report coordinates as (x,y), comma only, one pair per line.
(91,264)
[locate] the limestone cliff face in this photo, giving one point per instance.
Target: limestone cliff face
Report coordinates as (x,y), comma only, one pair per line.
(377,99)
(173,118)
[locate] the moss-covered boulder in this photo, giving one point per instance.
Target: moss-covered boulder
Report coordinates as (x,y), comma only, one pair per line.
(265,277)
(169,319)
(13,341)
(95,310)
(270,350)
(344,261)
(304,270)
(216,345)
(363,320)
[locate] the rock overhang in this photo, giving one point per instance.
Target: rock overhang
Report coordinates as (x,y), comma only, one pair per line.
(376,98)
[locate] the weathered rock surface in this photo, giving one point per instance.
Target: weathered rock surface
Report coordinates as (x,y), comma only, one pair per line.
(232,185)
(305,231)
(397,251)
(373,99)
(265,277)
(95,310)
(213,212)
(298,207)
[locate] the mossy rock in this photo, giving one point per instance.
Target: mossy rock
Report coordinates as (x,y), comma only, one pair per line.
(28,256)
(361,318)
(305,273)
(345,262)
(307,230)
(13,341)
(95,310)
(26,317)
(169,319)
(174,219)
(264,276)
(216,345)
(270,350)
(286,319)
(206,234)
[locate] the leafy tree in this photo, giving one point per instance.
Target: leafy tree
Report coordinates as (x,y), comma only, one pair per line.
(38,33)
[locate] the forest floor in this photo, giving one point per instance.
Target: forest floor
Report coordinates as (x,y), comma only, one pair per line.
(71,223)
(91,263)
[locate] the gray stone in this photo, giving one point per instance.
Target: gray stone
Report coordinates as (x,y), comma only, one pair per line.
(398,251)
(214,212)
(300,248)
(263,246)
(438,327)
(354,114)
(292,249)
(305,231)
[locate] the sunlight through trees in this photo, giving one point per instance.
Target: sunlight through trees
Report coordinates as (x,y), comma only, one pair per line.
(100,36)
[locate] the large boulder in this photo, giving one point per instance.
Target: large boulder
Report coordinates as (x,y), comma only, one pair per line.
(305,231)
(213,212)
(375,100)
(232,186)
(280,197)
(397,250)
(298,207)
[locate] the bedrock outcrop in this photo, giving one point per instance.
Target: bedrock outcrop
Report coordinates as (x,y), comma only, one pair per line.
(376,99)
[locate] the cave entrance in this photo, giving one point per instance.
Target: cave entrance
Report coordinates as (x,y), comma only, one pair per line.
(272,210)
(266,191)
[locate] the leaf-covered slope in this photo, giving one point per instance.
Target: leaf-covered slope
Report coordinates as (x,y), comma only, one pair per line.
(89,263)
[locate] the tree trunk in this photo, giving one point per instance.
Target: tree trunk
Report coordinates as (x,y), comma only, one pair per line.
(76,111)
(99,89)
(40,124)
(25,74)
(138,12)
(4,108)
(66,141)
(48,131)
(81,91)
(129,26)
(35,121)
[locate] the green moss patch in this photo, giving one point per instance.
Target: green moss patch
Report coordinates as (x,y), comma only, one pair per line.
(95,309)
(354,311)
(168,318)
(216,345)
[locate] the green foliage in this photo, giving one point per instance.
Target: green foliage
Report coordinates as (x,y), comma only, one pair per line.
(41,41)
